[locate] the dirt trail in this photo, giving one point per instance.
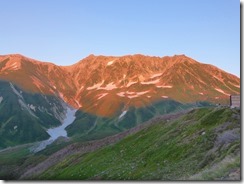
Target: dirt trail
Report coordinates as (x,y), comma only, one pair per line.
(90,146)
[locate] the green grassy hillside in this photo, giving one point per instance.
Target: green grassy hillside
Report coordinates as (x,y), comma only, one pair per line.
(89,127)
(24,117)
(201,145)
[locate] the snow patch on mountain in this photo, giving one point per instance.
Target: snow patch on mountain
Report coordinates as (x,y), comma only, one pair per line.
(102,95)
(220,79)
(95,86)
(56,132)
(60,130)
(156,75)
(81,88)
(130,93)
(151,82)
(122,94)
(122,114)
(109,86)
(130,83)
(32,107)
(133,96)
(110,62)
(221,91)
(15,68)
(137,94)
(238,86)
(167,86)
(78,103)
(61,95)
(12,66)
(142,93)
(1,99)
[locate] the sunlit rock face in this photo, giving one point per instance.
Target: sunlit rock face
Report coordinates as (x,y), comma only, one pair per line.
(105,85)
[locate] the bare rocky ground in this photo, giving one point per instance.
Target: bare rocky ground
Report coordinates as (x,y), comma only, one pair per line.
(90,146)
(234,175)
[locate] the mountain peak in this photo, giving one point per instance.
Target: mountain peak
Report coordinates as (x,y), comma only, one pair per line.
(133,80)
(183,59)
(91,56)
(16,57)
(10,62)
(13,55)
(19,58)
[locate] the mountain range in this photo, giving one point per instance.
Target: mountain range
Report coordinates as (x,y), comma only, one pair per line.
(111,94)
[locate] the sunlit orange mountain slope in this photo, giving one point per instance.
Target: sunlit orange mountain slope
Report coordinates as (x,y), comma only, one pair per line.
(104,85)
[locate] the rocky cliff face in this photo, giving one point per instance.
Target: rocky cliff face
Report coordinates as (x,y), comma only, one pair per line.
(112,93)
(104,85)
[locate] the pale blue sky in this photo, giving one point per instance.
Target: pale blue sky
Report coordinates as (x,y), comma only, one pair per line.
(65,31)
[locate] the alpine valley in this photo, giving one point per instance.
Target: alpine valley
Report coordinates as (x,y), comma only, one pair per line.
(104,103)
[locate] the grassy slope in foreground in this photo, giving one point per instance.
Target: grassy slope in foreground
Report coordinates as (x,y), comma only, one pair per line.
(90,127)
(202,145)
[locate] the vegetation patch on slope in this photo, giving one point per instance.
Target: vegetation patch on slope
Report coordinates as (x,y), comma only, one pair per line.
(168,150)
(90,127)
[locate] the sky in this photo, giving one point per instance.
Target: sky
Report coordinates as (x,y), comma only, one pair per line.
(66,31)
